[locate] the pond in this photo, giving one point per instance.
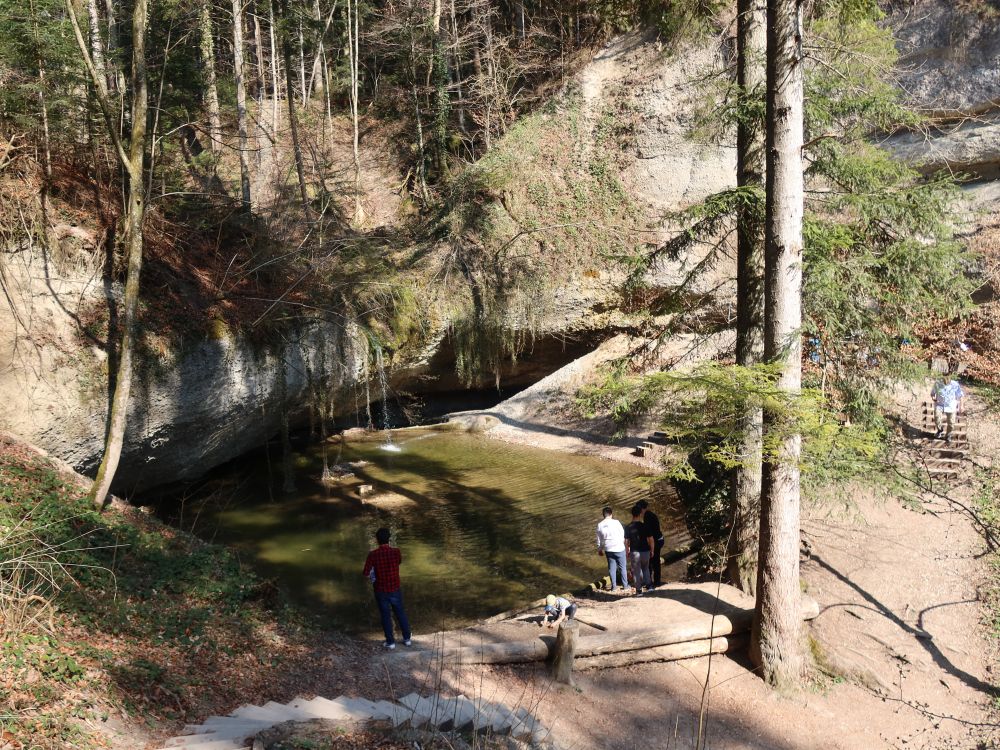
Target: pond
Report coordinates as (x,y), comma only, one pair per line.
(484,526)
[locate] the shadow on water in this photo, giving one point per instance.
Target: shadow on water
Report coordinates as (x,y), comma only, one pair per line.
(484,526)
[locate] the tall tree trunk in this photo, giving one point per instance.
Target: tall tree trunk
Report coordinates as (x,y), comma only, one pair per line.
(116,80)
(96,43)
(275,94)
(353,30)
(132,162)
(241,104)
(457,69)
(293,123)
(421,149)
(777,626)
(211,87)
(43,193)
(316,81)
(303,94)
(751,47)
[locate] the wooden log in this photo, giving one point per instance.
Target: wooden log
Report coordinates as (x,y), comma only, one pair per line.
(565,650)
(700,626)
(671,652)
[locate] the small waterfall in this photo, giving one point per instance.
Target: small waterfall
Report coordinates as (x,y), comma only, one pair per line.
(368,393)
(383,384)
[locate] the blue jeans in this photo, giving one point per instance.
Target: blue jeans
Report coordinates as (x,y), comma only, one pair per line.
(394,601)
(616,568)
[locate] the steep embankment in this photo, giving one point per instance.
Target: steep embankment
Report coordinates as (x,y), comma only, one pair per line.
(522,270)
(518,272)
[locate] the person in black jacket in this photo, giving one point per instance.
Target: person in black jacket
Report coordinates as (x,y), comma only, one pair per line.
(639,546)
(652,522)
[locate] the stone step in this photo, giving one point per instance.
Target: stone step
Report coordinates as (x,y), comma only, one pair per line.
(363,705)
(203,742)
(459,713)
(464,715)
(422,709)
(501,717)
(445,713)
(339,709)
(290,712)
(234,735)
(217,724)
(239,730)
(393,712)
(250,711)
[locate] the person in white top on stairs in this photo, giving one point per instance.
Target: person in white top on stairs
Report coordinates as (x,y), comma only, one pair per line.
(948,398)
(611,544)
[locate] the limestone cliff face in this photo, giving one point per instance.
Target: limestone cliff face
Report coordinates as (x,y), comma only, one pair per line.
(949,66)
(189,410)
(214,399)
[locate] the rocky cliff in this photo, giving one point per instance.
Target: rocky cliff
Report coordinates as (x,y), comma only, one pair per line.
(949,66)
(214,397)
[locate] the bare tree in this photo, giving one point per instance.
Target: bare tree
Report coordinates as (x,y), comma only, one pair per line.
(135,211)
(241,103)
(275,78)
(293,123)
(353,32)
(207,45)
(751,44)
(775,644)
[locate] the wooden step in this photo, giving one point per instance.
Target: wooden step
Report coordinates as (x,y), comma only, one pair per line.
(943,463)
(948,450)
(943,473)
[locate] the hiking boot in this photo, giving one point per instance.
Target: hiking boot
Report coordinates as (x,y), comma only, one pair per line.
(389,646)
(948,439)
(939,434)
(407,642)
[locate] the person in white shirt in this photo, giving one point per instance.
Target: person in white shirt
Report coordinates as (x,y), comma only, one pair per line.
(611,544)
(948,397)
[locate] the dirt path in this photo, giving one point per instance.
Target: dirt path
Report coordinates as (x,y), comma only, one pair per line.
(899,627)
(900,641)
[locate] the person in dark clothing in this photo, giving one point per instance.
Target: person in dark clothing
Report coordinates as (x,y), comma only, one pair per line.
(639,545)
(382,568)
(653,530)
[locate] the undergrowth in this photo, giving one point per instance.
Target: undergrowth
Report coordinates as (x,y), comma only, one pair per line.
(538,211)
(113,613)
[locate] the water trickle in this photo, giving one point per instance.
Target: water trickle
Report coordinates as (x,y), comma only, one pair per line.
(388,445)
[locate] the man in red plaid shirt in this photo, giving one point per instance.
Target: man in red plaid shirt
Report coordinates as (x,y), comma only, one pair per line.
(382,567)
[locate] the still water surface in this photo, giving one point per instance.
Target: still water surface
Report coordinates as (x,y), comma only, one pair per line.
(484,526)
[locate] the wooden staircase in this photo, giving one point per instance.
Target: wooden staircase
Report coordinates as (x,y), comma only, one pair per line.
(238,730)
(654,442)
(943,460)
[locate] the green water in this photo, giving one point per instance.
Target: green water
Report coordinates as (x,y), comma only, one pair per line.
(483,526)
